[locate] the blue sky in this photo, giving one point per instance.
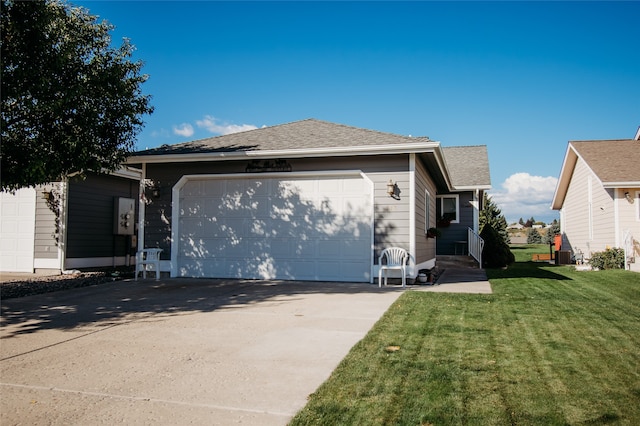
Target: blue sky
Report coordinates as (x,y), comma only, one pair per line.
(523,78)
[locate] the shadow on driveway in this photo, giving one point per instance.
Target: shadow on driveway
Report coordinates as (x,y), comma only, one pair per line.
(123,301)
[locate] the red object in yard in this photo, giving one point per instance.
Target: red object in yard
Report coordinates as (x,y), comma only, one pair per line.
(557,242)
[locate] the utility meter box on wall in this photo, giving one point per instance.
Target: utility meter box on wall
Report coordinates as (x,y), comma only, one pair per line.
(124,212)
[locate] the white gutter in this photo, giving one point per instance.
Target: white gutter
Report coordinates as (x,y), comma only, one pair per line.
(473,188)
(628,184)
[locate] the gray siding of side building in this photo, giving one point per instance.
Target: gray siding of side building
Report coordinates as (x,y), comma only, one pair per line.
(90,221)
(46,228)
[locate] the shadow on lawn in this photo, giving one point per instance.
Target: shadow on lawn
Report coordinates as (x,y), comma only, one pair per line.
(528,269)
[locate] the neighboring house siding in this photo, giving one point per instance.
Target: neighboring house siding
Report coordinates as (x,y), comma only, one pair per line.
(629,221)
(90,220)
(391,215)
(576,211)
(588,213)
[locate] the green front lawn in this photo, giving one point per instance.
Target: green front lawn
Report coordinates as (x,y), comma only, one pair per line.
(551,346)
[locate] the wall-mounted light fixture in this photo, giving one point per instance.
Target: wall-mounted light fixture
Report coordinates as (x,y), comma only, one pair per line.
(628,197)
(391,188)
(46,195)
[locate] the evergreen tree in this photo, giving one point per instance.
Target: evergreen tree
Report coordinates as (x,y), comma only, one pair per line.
(493,230)
(552,231)
(533,236)
(491,215)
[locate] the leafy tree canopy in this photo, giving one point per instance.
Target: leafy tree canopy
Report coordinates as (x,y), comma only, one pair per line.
(71,103)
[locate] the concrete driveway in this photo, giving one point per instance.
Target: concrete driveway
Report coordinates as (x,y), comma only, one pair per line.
(178,351)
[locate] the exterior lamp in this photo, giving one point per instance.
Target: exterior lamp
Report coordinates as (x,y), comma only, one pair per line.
(628,197)
(391,188)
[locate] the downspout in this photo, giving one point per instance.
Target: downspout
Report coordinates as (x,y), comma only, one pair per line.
(412,214)
(142,206)
(476,211)
(62,238)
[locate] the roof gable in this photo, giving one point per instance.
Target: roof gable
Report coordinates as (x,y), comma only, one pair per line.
(614,163)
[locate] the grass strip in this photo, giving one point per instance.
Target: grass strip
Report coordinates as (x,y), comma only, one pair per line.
(551,346)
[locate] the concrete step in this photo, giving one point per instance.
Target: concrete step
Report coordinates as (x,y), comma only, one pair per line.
(442,261)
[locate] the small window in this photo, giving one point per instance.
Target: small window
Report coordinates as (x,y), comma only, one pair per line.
(449,209)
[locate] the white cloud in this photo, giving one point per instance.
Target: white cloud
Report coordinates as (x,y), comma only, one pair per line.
(161,133)
(214,125)
(185,129)
(525,196)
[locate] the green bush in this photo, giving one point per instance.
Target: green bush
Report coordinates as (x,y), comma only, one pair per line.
(496,252)
(608,259)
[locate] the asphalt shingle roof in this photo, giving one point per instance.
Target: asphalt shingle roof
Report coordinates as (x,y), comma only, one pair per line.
(468,165)
(304,134)
(611,160)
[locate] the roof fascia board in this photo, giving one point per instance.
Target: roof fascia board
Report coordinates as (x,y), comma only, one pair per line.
(126,172)
(471,188)
(568,164)
(442,164)
(289,153)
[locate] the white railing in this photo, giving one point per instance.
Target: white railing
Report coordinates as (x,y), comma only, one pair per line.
(476,244)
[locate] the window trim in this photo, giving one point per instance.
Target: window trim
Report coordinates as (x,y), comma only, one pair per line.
(457,198)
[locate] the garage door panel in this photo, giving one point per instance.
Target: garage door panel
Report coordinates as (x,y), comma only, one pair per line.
(213,188)
(290,228)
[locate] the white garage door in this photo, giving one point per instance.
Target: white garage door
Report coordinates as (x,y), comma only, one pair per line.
(302,228)
(17,229)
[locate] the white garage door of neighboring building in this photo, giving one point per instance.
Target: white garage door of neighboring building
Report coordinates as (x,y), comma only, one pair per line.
(296,227)
(17,230)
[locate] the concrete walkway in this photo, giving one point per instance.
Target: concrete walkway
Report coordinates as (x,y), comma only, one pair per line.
(183,351)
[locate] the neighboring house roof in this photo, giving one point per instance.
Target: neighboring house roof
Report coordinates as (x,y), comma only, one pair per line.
(468,166)
(614,163)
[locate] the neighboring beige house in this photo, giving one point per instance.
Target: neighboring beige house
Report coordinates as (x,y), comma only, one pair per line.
(598,195)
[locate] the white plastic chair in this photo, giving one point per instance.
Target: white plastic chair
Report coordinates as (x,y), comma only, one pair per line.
(396,259)
(148,260)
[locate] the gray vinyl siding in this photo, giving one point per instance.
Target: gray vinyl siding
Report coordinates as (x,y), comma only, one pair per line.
(456,231)
(425,247)
(391,215)
(90,218)
(45,244)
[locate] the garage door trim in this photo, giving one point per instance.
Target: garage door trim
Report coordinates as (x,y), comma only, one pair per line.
(175,213)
